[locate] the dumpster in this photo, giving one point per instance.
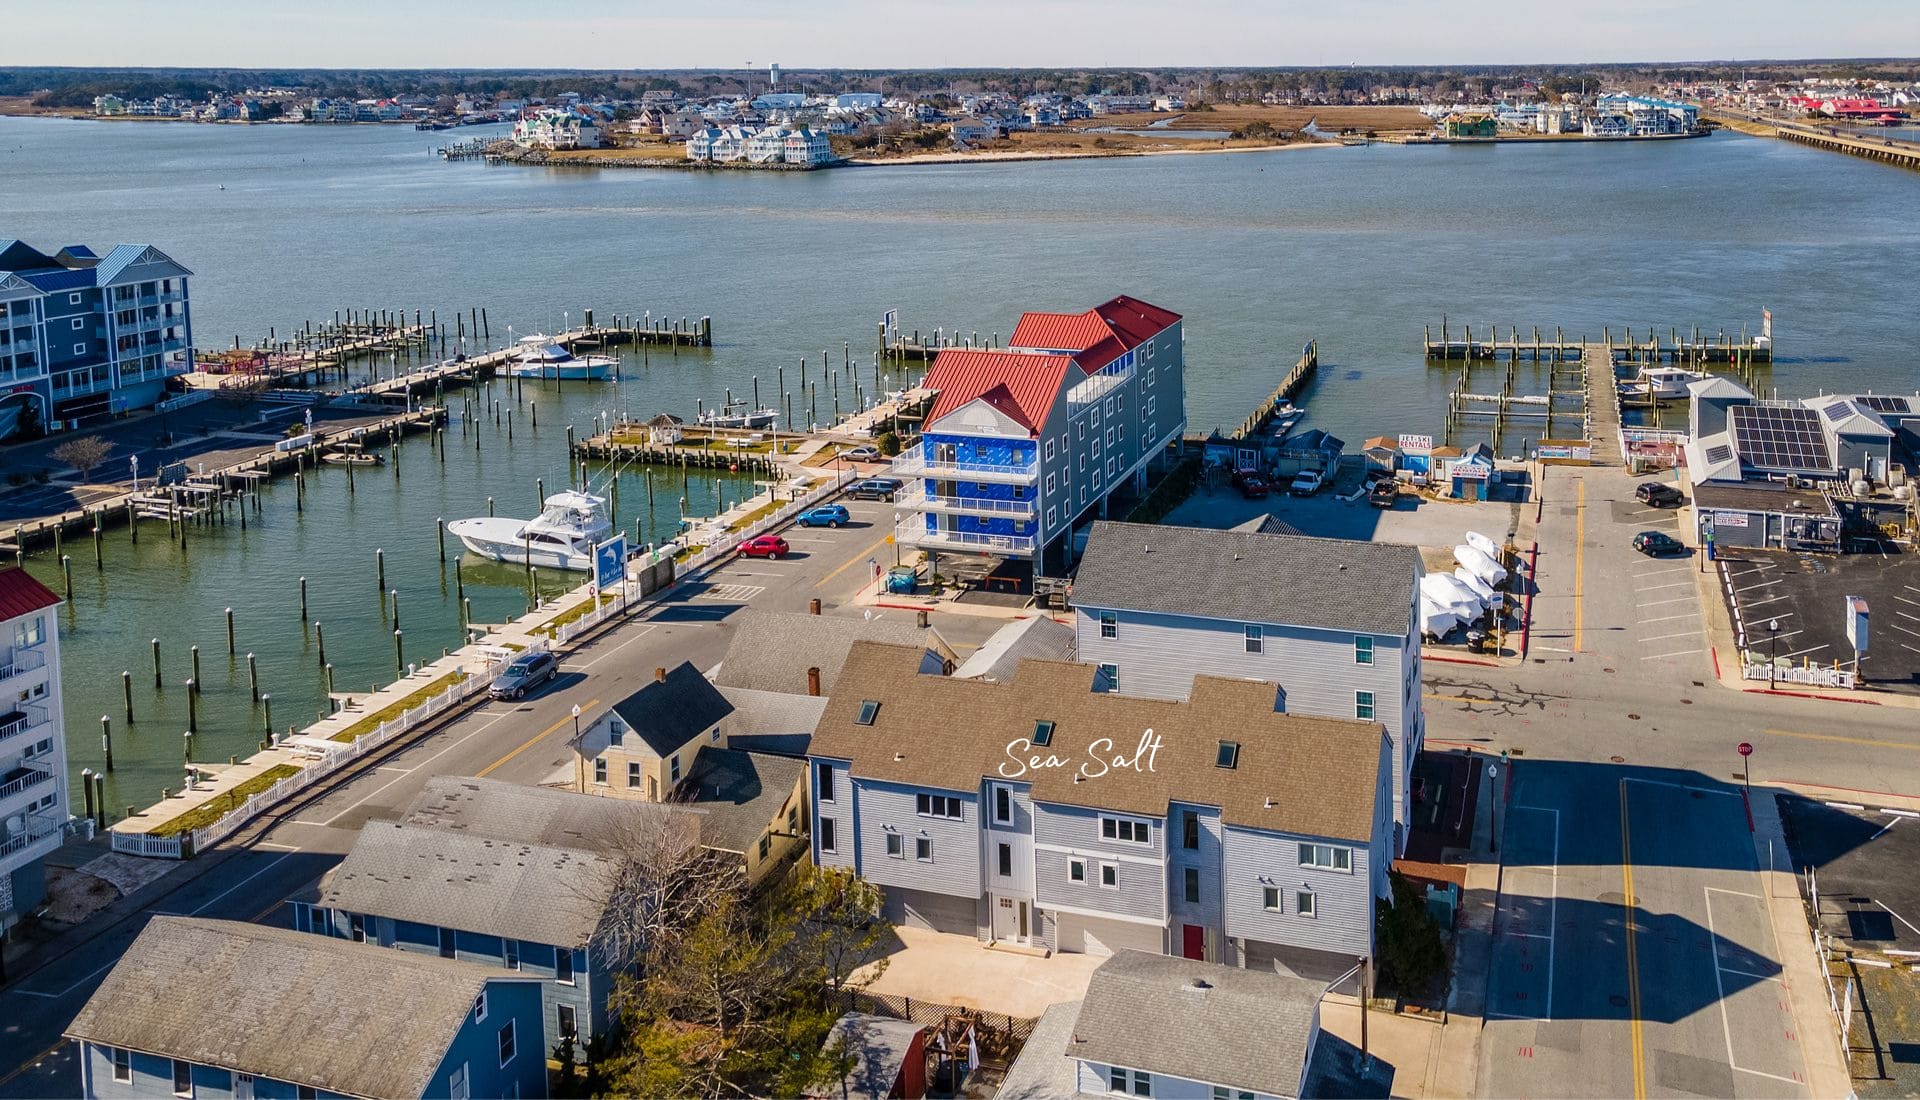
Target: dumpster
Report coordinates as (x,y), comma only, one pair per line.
(902,579)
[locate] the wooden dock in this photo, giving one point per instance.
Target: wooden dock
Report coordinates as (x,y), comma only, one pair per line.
(1296,377)
(1900,154)
(1694,348)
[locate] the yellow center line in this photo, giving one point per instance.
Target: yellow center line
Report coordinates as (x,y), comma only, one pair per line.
(31,1062)
(1878,744)
(532,741)
(868,552)
(1633,962)
(1579,557)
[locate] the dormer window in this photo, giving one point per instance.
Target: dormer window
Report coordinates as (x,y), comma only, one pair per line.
(1228,755)
(868,709)
(1042,733)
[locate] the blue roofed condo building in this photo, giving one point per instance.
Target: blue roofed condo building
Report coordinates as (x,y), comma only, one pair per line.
(84,335)
(1022,443)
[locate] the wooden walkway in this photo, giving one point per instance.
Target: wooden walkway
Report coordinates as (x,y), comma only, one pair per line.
(1676,347)
(1603,404)
(1900,154)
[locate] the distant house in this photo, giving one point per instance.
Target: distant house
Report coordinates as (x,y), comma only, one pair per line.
(1470,126)
(769,146)
(974,131)
(1382,453)
(752,804)
(807,146)
(1170,103)
(702,143)
(220,1008)
(1240,1033)
(777,651)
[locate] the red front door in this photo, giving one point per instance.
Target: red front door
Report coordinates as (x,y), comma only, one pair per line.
(1193,941)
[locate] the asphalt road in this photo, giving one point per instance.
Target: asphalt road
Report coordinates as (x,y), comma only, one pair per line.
(522,742)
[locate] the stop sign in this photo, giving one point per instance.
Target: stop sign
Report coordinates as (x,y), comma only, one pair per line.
(1746,749)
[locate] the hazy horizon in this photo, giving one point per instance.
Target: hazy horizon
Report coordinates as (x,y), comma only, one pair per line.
(916,34)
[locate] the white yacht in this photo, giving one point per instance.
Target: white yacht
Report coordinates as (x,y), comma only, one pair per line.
(540,357)
(1662,383)
(563,537)
(737,415)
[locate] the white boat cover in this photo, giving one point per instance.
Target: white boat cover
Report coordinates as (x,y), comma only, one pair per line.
(1480,564)
(1446,590)
(1483,544)
(1480,588)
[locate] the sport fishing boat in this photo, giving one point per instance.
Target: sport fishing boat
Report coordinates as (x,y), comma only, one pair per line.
(737,415)
(1662,383)
(540,357)
(562,537)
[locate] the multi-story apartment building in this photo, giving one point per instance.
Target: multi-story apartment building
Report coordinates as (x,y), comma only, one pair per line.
(33,753)
(1022,443)
(1042,810)
(1332,624)
(83,335)
(212,1008)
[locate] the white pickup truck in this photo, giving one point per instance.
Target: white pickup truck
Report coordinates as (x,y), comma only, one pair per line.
(1306,483)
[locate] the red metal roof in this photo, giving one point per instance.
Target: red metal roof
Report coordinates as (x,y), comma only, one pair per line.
(21,595)
(1059,331)
(1096,337)
(1023,385)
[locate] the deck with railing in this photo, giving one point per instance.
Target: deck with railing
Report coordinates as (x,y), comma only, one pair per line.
(912,533)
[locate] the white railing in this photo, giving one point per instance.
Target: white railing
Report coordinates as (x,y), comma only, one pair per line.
(38,829)
(21,660)
(30,717)
(911,535)
(33,778)
(1808,676)
(981,506)
(185,399)
(915,463)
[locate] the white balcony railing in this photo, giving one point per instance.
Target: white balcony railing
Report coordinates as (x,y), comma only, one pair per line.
(914,532)
(29,778)
(916,463)
(20,720)
(21,661)
(38,828)
(917,497)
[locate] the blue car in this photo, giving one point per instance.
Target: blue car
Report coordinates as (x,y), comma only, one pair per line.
(827,515)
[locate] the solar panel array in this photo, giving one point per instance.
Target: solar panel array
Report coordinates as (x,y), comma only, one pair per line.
(1884,403)
(1780,437)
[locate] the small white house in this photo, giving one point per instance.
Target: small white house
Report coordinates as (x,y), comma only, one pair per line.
(809,147)
(769,146)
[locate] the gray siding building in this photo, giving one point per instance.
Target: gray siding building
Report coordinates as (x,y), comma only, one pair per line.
(1332,624)
(1041,810)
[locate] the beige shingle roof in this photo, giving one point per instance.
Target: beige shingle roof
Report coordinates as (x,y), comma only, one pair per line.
(1309,776)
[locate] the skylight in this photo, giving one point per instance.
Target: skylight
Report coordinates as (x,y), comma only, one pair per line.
(1042,733)
(868,708)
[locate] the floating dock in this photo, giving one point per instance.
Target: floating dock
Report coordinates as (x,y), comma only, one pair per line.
(1699,347)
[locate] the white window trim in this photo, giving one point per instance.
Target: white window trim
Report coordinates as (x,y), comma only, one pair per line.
(997,790)
(1371,705)
(114,1063)
(828,844)
(515,1037)
(917,842)
(1080,863)
(1312,909)
(1277,899)
(1105,866)
(1357,640)
(895,846)
(480,1008)
(1133,823)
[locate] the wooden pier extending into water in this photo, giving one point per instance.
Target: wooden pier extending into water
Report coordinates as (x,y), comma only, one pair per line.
(1697,347)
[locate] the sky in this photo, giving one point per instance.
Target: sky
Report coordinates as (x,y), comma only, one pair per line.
(900,34)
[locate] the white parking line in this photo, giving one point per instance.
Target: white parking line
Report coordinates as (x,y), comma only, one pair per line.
(1770,599)
(1670,618)
(1804,652)
(1657,603)
(1553,904)
(1661,572)
(1762,584)
(1665,637)
(1675,653)
(1675,584)
(1720,986)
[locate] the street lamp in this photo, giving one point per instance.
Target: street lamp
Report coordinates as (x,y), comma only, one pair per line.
(576,722)
(1773,649)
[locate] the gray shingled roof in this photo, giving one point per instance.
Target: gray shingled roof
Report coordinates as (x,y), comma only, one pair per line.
(539,815)
(475,884)
(312,1010)
(1236,576)
(763,713)
(666,714)
(1036,638)
(772,650)
(1268,524)
(740,791)
(1043,1071)
(1245,1029)
(1295,774)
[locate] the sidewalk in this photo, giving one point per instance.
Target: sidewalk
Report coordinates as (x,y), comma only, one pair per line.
(1827,1070)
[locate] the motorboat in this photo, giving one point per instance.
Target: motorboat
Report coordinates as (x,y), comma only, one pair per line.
(540,357)
(737,415)
(1662,383)
(351,454)
(562,537)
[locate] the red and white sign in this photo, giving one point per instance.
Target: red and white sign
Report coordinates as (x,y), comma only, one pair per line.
(1416,444)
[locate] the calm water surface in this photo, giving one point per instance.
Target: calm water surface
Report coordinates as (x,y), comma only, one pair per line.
(1358,248)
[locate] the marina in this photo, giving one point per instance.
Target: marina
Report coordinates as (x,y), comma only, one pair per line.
(371,181)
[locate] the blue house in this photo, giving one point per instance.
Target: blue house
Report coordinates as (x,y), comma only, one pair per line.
(519,878)
(1469,475)
(1021,444)
(84,336)
(208,1008)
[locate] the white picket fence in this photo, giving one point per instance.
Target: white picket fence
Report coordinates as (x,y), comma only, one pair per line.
(184,845)
(1802,676)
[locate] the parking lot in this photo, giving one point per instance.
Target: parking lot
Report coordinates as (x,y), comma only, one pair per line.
(1861,859)
(1804,595)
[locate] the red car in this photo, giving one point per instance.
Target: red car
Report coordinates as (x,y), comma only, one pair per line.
(764,546)
(1250,483)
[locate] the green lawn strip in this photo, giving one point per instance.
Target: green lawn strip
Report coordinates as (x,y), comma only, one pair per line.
(551,628)
(219,805)
(755,516)
(368,723)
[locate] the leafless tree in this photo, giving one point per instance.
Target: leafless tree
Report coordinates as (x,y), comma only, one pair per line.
(661,879)
(83,454)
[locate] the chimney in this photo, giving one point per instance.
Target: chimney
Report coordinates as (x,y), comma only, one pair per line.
(813,606)
(921,616)
(660,675)
(813,680)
